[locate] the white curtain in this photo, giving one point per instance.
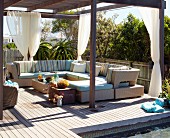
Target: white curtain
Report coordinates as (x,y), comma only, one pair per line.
(24,28)
(151,19)
(83,34)
(35,34)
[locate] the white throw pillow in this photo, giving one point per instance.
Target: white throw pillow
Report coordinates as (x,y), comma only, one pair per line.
(72,65)
(78,67)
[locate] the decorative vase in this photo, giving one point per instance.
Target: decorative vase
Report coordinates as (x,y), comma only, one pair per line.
(59,102)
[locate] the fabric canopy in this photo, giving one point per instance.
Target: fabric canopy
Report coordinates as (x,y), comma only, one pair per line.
(25,30)
(83,34)
(151,19)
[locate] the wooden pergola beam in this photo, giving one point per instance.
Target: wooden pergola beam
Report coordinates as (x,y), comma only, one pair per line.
(142,3)
(59,16)
(105,8)
(10,3)
(1,58)
(43,5)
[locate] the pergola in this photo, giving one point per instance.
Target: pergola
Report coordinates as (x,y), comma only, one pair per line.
(63,5)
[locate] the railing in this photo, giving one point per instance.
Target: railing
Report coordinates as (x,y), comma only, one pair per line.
(10,55)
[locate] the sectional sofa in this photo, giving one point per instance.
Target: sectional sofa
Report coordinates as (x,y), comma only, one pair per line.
(112,81)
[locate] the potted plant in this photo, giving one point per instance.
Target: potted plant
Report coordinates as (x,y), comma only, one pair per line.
(166,92)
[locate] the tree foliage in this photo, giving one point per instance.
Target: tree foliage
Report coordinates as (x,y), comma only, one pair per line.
(68,27)
(10,46)
(46,29)
(133,41)
(105,34)
(167,39)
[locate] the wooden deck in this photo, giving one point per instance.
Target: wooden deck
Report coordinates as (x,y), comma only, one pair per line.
(35,117)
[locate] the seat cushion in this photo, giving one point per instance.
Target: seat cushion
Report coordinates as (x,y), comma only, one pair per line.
(84,85)
(46,74)
(79,76)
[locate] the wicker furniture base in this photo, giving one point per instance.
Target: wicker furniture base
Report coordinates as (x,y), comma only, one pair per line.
(40,86)
(68,94)
(127,92)
(10,96)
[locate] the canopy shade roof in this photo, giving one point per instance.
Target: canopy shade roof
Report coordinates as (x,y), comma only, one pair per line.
(63,5)
(56,5)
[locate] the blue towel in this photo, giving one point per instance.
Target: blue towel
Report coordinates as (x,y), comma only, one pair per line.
(152,107)
(10,83)
(148,107)
(160,102)
(158,109)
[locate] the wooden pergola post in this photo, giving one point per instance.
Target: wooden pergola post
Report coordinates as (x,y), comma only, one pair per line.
(161,41)
(1,58)
(92,54)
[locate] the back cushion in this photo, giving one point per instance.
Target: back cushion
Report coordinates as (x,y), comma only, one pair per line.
(78,67)
(72,65)
(36,66)
(43,65)
(68,64)
(104,67)
(61,65)
(24,66)
(88,66)
(52,65)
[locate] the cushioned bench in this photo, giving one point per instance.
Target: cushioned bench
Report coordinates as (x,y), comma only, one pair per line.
(108,78)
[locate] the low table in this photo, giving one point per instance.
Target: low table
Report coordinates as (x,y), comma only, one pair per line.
(40,86)
(67,93)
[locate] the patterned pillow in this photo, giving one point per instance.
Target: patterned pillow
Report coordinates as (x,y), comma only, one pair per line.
(104,67)
(88,66)
(98,68)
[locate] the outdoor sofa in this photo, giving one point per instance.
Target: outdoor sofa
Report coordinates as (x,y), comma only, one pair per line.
(112,81)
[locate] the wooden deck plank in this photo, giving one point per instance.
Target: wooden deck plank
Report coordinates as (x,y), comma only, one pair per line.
(25,132)
(3,134)
(14,124)
(47,112)
(50,124)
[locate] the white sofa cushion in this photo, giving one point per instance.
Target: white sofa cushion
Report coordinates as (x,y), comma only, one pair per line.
(78,67)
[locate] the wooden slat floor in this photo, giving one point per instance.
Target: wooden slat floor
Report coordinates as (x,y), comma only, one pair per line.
(35,117)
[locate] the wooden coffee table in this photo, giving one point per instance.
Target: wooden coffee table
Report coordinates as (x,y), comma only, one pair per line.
(40,86)
(67,93)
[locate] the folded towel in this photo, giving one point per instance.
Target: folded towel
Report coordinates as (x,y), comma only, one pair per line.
(160,102)
(158,109)
(152,107)
(148,107)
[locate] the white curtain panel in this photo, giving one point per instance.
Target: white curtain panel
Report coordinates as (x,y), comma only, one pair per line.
(35,34)
(16,22)
(151,19)
(23,31)
(83,34)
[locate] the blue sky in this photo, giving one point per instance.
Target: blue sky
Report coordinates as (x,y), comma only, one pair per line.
(122,14)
